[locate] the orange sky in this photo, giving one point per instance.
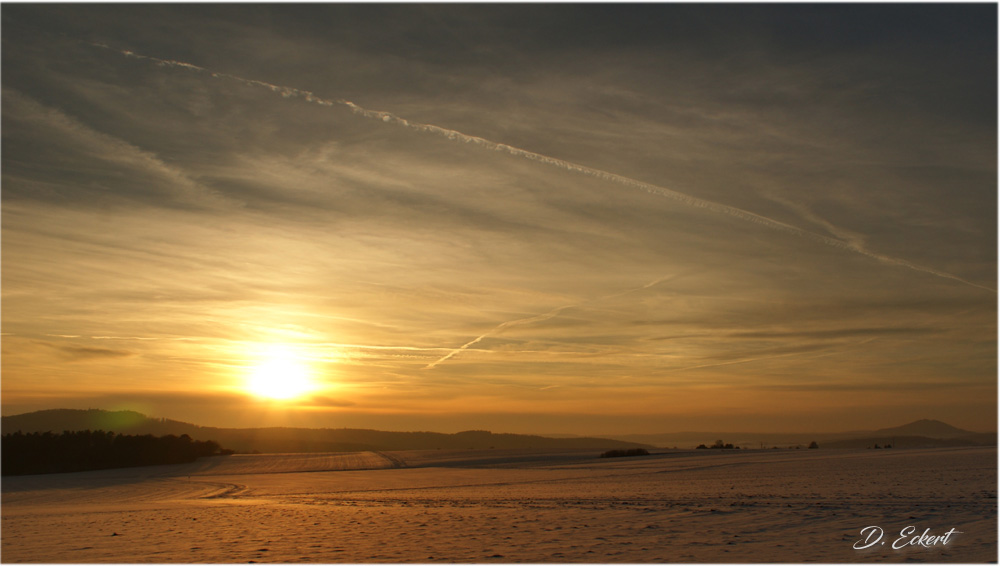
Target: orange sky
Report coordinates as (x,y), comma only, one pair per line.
(549,219)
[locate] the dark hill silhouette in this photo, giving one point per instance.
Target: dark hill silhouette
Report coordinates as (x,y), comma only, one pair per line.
(77,451)
(922,433)
(122,422)
(924,427)
(289,440)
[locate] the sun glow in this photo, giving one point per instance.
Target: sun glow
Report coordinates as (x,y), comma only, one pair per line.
(280,375)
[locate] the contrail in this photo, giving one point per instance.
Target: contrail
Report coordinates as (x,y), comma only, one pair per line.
(497,329)
(388,117)
(541,318)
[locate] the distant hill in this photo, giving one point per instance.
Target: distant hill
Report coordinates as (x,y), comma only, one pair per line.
(923,433)
(909,441)
(122,422)
(290,440)
(925,427)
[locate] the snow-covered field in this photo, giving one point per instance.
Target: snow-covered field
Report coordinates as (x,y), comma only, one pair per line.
(499,506)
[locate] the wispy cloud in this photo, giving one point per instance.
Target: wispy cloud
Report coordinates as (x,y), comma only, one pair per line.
(77,353)
(852,245)
(70,141)
(835,333)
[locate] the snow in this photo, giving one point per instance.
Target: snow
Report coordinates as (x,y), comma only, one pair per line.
(509,506)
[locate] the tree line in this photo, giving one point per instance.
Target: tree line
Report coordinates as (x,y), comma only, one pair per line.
(625,453)
(77,451)
(718,446)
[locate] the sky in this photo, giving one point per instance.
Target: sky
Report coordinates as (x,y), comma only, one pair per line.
(579,219)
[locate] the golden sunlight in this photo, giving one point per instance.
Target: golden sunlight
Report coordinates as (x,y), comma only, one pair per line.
(280,375)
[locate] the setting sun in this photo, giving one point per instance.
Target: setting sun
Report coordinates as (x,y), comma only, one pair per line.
(280,375)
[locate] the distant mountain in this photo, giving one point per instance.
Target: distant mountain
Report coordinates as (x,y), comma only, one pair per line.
(289,440)
(925,433)
(925,427)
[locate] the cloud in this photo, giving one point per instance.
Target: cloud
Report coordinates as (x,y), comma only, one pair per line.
(328,402)
(51,154)
(853,244)
(835,333)
(83,353)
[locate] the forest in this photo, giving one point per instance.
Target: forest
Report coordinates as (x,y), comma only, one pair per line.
(47,453)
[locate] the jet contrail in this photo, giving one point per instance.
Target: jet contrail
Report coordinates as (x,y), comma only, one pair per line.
(528,320)
(388,117)
(541,318)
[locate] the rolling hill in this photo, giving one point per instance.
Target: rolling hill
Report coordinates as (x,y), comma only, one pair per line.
(924,433)
(925,427)
(292,440)
(921,433)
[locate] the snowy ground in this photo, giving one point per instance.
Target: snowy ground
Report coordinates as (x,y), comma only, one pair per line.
(500,506)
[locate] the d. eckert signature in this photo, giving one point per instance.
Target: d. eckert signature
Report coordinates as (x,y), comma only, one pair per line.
(907,537)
